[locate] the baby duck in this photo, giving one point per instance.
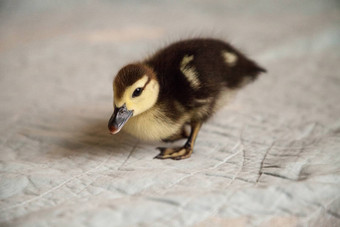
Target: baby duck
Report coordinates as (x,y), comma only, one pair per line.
(182,84)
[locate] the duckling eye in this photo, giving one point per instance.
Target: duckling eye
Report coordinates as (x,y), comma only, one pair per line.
(137,92)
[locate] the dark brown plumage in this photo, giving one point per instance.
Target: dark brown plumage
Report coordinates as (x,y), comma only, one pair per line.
(211,69)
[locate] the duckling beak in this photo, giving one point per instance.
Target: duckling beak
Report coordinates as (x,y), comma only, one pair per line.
(119,117)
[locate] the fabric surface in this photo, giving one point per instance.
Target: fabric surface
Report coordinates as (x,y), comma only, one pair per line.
(269,158)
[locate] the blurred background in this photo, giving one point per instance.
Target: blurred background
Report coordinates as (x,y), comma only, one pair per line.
(270,158)
(53,44)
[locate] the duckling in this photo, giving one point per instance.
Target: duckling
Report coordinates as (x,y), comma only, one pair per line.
(181,85)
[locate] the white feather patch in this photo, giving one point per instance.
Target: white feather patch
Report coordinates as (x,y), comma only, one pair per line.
(230,58)
(190,72)
(204,101)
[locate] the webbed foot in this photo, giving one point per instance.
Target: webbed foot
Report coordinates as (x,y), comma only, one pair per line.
(176,153)
(179,153)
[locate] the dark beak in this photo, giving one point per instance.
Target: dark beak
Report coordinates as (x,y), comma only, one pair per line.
(119,117)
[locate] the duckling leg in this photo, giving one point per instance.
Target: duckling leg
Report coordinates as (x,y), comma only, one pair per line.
(183,152)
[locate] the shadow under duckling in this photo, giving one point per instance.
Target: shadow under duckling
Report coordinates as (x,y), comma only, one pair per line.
(182,84)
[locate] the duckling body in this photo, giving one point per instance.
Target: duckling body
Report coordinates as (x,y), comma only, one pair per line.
(184,84)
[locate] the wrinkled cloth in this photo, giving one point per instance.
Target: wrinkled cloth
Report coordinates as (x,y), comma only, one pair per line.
(270,157)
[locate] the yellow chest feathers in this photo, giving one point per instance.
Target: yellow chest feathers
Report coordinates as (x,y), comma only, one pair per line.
(152,125)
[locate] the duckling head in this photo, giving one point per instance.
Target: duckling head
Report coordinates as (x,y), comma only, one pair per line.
(135,91)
